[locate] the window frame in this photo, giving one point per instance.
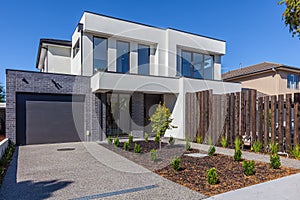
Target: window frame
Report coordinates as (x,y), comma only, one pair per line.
(192,68)
(117,57)
(149,53)
(106,41)
(76,48)
(294,82)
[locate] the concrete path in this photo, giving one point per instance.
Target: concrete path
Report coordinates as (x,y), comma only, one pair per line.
(89,171)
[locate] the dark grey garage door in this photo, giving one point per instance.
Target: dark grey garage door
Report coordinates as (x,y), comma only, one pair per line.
(47,118)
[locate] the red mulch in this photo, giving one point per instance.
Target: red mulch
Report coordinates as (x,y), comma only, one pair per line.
(231,176)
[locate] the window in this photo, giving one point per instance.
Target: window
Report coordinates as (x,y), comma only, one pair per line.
(76,48)
(195,65)
(143,59)
(122,57)
(208,67)
(100,54)
(118,118)
(293,81)
(186,62)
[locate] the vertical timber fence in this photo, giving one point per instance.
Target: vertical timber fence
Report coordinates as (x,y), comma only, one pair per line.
(265,119)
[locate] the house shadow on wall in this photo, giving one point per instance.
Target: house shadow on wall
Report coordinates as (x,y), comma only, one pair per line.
(11,189)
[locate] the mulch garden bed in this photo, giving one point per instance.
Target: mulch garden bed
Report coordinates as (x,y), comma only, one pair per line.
(146,147)
(231,177)
(164,156)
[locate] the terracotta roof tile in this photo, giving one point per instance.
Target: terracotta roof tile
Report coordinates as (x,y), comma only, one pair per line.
(250,69)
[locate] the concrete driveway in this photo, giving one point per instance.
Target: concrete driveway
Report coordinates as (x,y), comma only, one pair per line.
(83,171)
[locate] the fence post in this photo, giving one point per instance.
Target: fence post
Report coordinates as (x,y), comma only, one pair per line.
(242,113)
(288,122)
(237,114)
(247,117)
(253,115)
(273,118)
(260,119)
(266,121)
(280,121)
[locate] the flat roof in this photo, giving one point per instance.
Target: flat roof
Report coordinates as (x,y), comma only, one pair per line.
(102,15)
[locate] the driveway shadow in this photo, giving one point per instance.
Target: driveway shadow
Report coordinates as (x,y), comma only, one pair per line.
(11,189)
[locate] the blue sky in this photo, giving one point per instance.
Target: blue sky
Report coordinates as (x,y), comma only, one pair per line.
(253,29)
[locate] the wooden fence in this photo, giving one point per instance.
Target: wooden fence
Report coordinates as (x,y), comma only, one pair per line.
(265,119)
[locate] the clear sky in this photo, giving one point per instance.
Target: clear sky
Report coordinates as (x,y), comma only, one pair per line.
(253,29)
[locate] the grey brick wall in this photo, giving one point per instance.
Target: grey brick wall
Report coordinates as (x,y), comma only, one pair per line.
(35,82)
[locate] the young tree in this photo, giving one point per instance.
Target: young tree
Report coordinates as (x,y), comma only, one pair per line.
(161,119)
(2,94)
(291,16)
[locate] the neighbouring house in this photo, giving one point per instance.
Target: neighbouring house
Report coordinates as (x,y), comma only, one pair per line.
(267,78)
(107,81)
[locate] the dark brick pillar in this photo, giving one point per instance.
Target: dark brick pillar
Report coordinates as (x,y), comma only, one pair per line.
(137,114)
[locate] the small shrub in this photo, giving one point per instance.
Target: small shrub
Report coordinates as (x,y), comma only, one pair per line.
(248,167)
(137,148)
(157,138)
(130,138)
(257,146)
(273,148)
(171,140)
(199,139)
(212,176)
(211,150)
(295,151)
(237,155)
(187,144)
(237,144)
(153,155)
(117,142)
(126,146)
(223,141)
(176,163)
(146,137)
(109,140)
(275,161)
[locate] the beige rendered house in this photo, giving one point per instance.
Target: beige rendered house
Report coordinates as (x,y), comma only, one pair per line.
(267,78)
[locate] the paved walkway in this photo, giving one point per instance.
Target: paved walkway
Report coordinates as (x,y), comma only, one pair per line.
(88,172)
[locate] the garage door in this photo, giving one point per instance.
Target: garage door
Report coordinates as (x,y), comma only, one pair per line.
(47,118)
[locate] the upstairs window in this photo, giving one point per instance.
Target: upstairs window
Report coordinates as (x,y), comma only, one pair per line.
(143,59)
(196,65)
(123,57)
(100,54)
(293,81)
(76,48)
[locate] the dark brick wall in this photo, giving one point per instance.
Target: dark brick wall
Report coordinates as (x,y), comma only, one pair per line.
(2,121)
(33,82)
(137,114)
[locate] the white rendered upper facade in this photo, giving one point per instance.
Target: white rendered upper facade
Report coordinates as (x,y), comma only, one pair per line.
(126,57)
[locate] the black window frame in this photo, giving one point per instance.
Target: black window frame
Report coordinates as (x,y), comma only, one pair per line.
(106,41)
(118,57)
(149,53)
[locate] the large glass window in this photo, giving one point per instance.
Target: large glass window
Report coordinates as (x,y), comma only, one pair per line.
(117,114)
(208,67)
(186,61)
(100,54)
(122,57)
(293,81)
(195,65)
(143,59)
(198,69)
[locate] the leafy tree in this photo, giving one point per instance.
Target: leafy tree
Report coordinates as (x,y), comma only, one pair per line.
(291,16)
(2,94)
(161,119)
